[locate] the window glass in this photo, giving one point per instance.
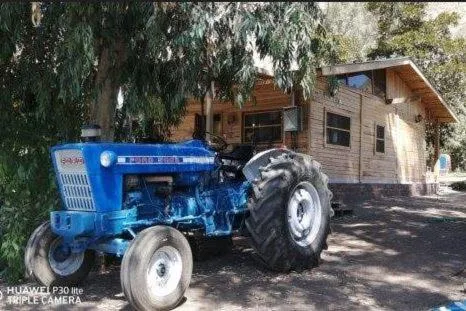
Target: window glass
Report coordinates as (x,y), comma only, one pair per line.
(380,146)
(338,121)
(217,124)
(200,122)
(380,131)
(361,80)
(338,129)
(337,137)
(262,127)
(262,118)
(380,139)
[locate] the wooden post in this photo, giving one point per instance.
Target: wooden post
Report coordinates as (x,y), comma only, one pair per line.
(436,141)
(360,137)
(209,109)
(309,126)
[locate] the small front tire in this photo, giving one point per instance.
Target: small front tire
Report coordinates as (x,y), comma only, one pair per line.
(156,269)
(50,265)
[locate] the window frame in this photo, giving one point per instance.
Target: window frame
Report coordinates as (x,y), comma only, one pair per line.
(204,120)
(377,139)
(345,78)
(336,146)
(243,127)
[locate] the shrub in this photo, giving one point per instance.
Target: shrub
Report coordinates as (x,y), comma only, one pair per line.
(459,186)
(28,194)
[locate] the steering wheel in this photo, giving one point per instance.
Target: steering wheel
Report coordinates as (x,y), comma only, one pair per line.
(216,142)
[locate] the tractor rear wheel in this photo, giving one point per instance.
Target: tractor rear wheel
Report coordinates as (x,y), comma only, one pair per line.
(156,269)
(50,263)
(290,213)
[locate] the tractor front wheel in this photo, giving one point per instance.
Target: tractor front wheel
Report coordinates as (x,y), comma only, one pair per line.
(290,213)
(156,269)
(51,263)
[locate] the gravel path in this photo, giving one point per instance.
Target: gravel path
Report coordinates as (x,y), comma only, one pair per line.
(391,254)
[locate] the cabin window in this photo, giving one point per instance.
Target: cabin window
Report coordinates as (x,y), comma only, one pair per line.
(200,122)
(217,126)
(380,139)
(372,81)
(361,81)
(262,127)
(338,129)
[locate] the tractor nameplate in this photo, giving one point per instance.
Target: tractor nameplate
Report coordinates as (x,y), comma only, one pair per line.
(129,160)
(70,161)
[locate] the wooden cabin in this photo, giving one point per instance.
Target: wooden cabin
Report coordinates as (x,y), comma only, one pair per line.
(369,137)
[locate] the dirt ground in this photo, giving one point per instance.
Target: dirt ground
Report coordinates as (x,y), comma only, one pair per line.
(390,254)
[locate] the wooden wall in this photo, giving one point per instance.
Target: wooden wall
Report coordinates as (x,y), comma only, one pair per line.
(267,97)
(404,159)
(410,147)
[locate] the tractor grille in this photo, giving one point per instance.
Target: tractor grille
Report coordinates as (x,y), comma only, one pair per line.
(73,180)
(77,192)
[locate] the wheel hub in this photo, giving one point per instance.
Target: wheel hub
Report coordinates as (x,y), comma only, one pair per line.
(62,261)
(304,214)
(300,212)
(161,270)
(164,271)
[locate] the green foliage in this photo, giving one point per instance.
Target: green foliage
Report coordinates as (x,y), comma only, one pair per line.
(216,42)
(459,186)
(33,118)
(404,31)
(353,27)
(150,124)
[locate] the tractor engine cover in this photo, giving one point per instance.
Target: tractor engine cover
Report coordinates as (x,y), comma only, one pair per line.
(91,176)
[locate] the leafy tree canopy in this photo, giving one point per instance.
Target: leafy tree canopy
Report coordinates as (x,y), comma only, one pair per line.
(404,31)
(353,27)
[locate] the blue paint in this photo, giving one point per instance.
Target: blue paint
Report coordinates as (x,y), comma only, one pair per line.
(102,212)
(452,306)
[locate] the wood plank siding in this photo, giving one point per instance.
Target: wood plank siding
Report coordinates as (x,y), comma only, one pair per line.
(267,98)
(404,159)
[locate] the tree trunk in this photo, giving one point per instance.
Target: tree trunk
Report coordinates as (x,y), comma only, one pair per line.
(209,109)
(102,110)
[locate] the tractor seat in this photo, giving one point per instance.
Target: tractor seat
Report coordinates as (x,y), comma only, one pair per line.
(234,160)
(240,153)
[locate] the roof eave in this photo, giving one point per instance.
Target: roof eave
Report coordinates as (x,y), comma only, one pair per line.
(387,63)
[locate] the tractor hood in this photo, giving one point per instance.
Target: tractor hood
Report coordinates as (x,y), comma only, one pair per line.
(90,175)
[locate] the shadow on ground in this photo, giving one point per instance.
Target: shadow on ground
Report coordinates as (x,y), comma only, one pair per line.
(390,254)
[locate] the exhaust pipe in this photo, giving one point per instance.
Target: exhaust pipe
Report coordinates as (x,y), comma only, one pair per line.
(91,133)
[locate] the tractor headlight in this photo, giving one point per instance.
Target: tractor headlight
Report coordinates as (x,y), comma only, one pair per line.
(107,158)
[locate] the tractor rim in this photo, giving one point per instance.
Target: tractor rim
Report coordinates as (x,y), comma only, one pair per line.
(304,214)
(164,272)
(62,261)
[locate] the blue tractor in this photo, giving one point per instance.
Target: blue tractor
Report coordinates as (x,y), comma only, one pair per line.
(145,201)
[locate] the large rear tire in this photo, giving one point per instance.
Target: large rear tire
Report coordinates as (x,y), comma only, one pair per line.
(290,213)
(50,264)
(156,269)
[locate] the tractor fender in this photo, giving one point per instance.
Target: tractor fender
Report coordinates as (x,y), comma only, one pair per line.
(251,169)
